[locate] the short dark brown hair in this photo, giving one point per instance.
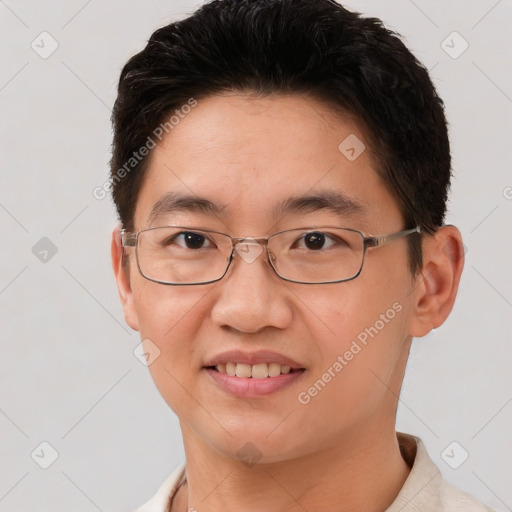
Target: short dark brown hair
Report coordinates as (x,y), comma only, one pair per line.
(314,47)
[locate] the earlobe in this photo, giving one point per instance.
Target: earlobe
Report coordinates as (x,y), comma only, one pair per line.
(123,280)
(436,287)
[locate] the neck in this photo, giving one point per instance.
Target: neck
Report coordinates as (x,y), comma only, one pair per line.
(363,471)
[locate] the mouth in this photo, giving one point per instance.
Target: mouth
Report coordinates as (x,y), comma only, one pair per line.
(254,371)
(252,376)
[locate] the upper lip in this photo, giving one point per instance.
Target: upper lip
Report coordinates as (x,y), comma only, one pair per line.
(260,356)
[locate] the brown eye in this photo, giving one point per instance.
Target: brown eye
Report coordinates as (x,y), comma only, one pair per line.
(189,240)
(314,241)
(193,240)
(317,240)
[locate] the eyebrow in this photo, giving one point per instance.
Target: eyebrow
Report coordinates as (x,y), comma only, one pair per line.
(173,202)
(335,202)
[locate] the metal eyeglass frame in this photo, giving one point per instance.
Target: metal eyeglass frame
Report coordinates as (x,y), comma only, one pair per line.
(130,239)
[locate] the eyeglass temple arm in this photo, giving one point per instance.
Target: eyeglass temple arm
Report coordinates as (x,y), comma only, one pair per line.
(128,239)
(377,241)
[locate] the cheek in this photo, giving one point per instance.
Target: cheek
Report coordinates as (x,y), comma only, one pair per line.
(171,318)
(168,313)
(360,331)
(360,334)
(355,309)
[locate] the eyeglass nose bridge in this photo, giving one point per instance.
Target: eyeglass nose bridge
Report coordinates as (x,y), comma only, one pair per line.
(249,249)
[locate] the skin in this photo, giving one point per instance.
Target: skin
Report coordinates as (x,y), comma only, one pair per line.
(339,451)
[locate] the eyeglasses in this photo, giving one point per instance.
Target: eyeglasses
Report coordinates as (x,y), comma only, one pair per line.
(180,255)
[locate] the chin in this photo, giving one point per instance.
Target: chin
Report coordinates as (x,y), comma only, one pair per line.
(250,445)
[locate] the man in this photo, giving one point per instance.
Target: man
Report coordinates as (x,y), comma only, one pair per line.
(280,170)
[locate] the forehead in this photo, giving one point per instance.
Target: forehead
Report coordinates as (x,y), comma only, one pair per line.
(248,157)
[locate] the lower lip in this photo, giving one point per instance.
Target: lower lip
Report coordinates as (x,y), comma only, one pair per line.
(249,387)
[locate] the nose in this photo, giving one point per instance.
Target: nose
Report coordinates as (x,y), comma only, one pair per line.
(251,296)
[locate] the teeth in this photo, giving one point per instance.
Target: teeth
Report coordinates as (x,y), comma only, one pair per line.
(274,369)
(230,369)
(256,371)
(243,370)
(259,371)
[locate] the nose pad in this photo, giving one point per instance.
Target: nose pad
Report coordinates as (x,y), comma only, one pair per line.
(249,249)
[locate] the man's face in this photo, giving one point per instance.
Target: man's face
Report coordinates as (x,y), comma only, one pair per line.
(248,155)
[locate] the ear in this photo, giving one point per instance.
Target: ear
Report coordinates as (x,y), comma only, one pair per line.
(123,280)
(436,287)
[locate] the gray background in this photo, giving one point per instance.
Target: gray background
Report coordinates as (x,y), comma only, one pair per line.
(68,373)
